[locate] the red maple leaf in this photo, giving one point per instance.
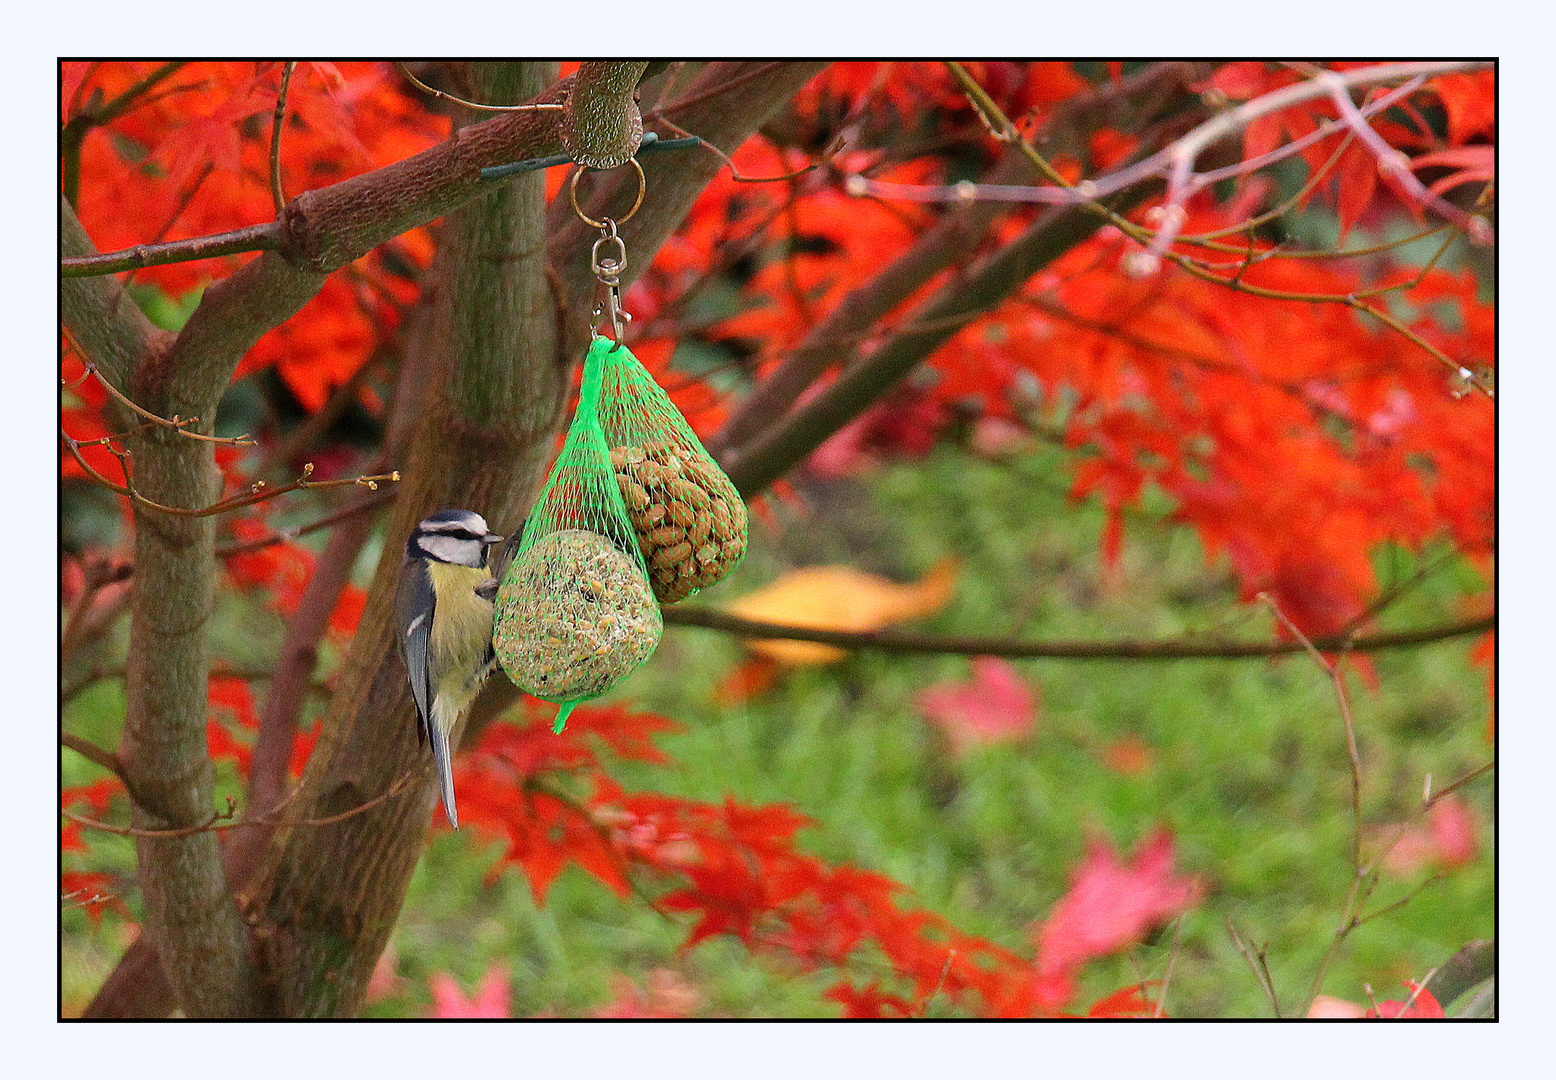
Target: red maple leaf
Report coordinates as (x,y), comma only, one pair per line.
(303,742)
(1470,100)
(868,1002)
(221,745)
(348,610)
(490,1000)
(996,705)
(1131,1001)
(1420,1006)
(667,995)
(1447,838)
(1110,906)
(232,694)
(96,795)
(1465,164)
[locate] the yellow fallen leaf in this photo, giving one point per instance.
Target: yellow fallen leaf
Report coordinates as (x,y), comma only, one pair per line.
(839,598)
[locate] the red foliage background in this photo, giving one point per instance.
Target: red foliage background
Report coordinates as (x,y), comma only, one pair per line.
(1293,433)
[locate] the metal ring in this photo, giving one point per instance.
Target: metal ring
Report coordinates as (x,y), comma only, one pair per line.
(572,195)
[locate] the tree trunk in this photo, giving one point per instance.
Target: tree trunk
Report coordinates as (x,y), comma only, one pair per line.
(329,895)
(321,897)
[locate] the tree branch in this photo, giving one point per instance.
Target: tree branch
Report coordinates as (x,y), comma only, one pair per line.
(93,753)
(1466,969)
(266,237)
(601,126)
(903,642)
(949,240)
(787,442)
(1179,158)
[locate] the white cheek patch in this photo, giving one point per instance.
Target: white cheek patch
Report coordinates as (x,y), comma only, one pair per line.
(451,549)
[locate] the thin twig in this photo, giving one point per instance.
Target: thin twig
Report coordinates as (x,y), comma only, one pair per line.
(70,690)
(945,969)
(722,88)
(1404,331)
(1473,774)
(1429,881)
(179,424)
(286,536)
(1395,592)
(473,104)
(277,194)
(1172,959)
(1364,877)
(258,492)
(118,106)
(735,173)
(1188,148)
(81,122)
(1181,154)
(209,823)
(79,625)
(220,821)
(1419,987)
(1368,876)
(1297,198)
(69,899)
(1396,165)
(185,197)
(1343,698)
(1256,961)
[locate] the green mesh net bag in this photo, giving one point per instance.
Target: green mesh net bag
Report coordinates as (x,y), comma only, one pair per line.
(689,519)
(575,613)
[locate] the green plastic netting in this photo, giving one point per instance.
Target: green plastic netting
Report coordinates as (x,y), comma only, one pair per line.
(635,513)
(575,613)
(689,519)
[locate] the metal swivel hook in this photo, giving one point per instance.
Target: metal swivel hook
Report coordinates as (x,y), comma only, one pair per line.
(608,260)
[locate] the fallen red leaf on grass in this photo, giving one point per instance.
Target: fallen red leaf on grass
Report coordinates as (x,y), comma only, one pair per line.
(490,1000)
(1421,1005)
(995,705)
(667,995)
(1325,1007)
(1447,838)
(1110,906)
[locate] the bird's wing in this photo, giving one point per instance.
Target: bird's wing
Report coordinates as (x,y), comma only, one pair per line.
(414,602)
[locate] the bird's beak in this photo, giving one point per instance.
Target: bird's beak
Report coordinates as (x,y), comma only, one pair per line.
(492,538)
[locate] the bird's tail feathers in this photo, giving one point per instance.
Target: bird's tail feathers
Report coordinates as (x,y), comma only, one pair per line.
(443,761)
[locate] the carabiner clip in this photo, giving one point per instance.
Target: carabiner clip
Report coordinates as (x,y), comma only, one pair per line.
(607,304)
(608,260)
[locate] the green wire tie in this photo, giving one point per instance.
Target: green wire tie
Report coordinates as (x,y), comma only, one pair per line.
(651,142)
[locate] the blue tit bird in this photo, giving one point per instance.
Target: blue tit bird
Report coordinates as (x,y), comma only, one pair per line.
(443,608)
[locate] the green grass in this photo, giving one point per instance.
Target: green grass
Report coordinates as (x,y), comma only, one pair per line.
(1248,767)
